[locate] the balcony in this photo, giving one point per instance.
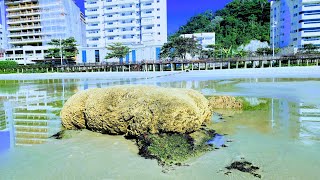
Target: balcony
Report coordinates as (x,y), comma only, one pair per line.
(146,22)
(309,34)
(19,34)
(310,1)
(22,7)
(313,25)
(24,27)
(310,8)
(21,41)
(34,12)
(116,17)
(23,20)
(314,41)
(304,16)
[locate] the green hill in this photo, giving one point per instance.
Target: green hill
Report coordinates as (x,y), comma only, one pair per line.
(236,24)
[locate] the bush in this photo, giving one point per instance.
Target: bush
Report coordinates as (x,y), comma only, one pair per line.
(8,64)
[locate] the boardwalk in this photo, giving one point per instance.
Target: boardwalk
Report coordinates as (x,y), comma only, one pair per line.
(186,65)
(182,65)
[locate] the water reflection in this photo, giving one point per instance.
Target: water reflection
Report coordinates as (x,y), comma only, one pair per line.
(30,113)
(309,117)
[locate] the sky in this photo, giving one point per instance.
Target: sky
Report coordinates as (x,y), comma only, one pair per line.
(179,11)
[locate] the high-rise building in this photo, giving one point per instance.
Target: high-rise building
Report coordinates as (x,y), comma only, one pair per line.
(30,24)
(127,21)
(2,38)
(295,23)
(139,24)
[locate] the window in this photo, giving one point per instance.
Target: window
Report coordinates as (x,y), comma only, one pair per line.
(97,55)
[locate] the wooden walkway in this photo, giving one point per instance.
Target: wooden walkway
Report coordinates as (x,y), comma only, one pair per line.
(232,63)
(182,65)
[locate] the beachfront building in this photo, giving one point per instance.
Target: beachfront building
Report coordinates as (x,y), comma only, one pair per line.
(1,37)
(139,24)
(204,39)
(30,25)
(294,23)
(1,43)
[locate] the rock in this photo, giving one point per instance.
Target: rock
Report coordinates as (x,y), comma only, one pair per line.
(225,102)
(135,110)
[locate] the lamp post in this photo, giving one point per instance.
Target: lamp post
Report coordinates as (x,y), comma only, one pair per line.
(274,25)
(61,59)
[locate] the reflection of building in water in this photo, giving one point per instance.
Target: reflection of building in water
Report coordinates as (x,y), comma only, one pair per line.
(3,123)
(309,117)
(34,117)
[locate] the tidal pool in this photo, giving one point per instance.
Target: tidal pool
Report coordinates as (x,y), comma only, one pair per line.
(282,138)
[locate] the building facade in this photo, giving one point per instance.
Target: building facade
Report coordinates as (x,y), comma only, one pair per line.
(137,53)
(30,25)
(2,38)
(295,23)
(139,24)
(204,39)
(126,21)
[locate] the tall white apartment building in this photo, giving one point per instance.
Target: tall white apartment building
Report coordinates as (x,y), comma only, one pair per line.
(30,24)
(1,37)
(139,24)
(1,43)
(295,23)
(127,21)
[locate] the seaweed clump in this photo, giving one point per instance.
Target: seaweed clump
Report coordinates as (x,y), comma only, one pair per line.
(244,166)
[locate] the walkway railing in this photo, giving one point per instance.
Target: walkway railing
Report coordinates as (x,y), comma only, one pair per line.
(177,65)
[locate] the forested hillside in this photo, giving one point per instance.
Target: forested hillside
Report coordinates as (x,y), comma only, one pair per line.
(238,23)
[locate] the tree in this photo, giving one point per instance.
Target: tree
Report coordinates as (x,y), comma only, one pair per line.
(310,48)
(8,64)
(179,47)
(267,51)
(117,50)
(238,23)
(68,46)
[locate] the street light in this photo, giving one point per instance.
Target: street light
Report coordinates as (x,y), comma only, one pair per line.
(61,52)
(274,25)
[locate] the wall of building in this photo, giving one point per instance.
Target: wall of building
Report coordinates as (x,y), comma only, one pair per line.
(31,24)
(137,54)
(204,39)
(128,22)
(297,22)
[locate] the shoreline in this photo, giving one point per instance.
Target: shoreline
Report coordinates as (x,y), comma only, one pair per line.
(278,72)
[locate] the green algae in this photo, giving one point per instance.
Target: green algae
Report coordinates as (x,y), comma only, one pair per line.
(174,148)
(264,104)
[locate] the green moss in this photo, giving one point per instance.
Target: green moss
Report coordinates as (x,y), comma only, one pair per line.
(9,86)
(264,104)
(175,149)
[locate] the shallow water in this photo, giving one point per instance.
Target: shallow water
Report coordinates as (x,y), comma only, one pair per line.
(282,139)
